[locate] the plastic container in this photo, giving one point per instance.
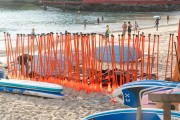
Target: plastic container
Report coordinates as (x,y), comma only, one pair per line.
(1,74)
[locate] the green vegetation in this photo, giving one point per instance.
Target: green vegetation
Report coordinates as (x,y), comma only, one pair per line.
(18,6)
(67,0)
(28,7)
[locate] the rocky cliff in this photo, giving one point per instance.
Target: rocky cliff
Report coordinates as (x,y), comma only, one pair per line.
(121,7)
(98,7)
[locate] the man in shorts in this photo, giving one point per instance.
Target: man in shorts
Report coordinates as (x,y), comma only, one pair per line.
(23,60)
(157,23)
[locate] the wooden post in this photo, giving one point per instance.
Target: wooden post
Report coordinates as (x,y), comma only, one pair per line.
(166,99)
(139,113)
(166,111)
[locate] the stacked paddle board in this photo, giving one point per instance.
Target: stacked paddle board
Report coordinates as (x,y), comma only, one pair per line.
(134,94)
(130,114)
(34,88)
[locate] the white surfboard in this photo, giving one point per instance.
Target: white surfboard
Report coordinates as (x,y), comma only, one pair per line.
(157,17)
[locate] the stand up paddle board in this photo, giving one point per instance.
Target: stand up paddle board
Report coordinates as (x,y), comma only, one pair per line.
(28,87)
(130,114)
(134,94)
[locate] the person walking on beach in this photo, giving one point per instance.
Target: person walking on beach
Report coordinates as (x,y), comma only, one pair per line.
(157,23)
(85,22)
(32,33)
(102,18)
(129,28)
(136,27)
(107,31)
(23,60)
(167,19)
(124,28)
(98,21)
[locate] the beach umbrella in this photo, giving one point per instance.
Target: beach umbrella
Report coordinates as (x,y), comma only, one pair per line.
(104,53)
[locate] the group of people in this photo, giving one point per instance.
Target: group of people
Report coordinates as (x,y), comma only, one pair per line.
(128,28)
(125,28)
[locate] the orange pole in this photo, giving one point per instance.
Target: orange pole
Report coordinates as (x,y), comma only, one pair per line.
(157,59)
(172,43)
(114,76)
(128,59)
(142,61)
(133,49)
(137,54)
(167,57)
(148,59)
(122,60)
(152,62)
(7,52)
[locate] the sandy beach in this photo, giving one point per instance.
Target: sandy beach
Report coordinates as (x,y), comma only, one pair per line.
(75,105)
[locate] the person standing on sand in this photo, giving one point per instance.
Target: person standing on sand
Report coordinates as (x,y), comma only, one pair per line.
(157,23)
(32,33)
(167,19)
(129,28)
(85,22)
(124,28)
(23,60)
(107,31)
(98,21)
(102,18)
(136,27)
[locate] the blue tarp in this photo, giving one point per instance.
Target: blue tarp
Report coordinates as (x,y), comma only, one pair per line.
(106,53)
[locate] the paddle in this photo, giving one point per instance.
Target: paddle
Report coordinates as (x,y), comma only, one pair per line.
(112,100)
(176,76)
(177,61)
(177,54)
(178,51)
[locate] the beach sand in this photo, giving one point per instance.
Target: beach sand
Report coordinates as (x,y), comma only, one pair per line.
(75,105)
